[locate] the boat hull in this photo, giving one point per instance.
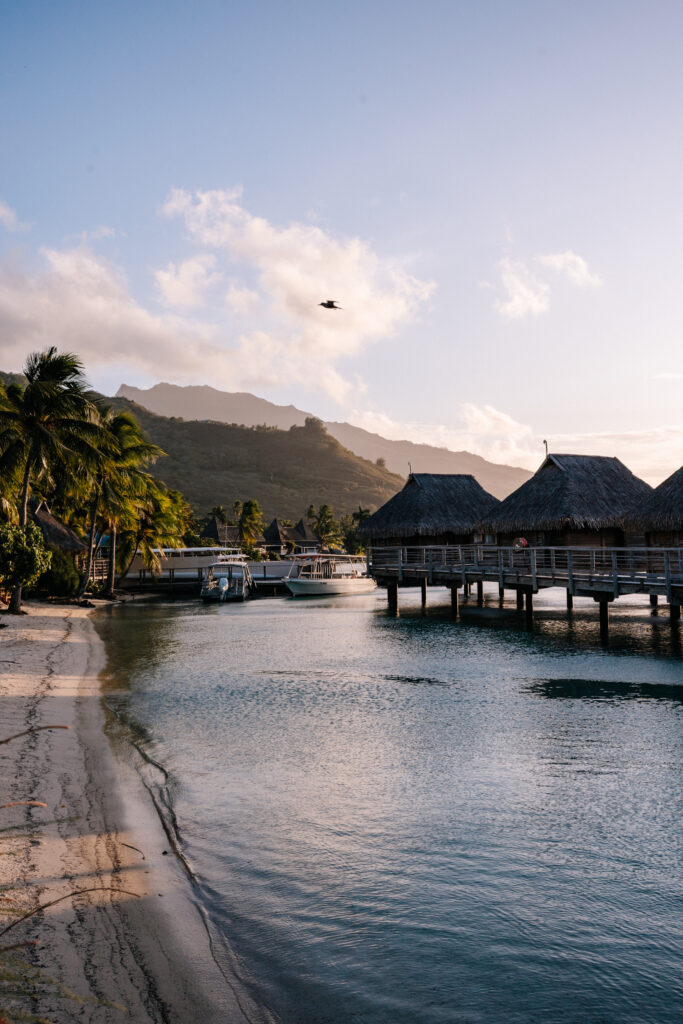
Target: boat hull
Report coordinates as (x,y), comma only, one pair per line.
(331,587)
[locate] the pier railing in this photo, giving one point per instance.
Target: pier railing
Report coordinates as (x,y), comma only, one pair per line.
(618,570)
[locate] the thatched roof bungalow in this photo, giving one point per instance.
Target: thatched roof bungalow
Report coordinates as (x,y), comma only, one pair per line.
(572,500)
(57,534)
(660,516)
(432,508)
(287,539)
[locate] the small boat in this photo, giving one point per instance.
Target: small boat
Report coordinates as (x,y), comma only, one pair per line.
(326,575)
(228,579)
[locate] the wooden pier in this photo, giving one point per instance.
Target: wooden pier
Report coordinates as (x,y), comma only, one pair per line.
(604,574)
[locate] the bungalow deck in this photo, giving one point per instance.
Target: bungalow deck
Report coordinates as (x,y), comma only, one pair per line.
(601,573)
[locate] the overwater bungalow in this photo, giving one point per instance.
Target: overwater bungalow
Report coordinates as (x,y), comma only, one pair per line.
(571,500)
(432,508)
(660,516)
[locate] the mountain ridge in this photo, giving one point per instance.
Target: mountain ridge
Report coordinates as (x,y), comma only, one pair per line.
(203,402)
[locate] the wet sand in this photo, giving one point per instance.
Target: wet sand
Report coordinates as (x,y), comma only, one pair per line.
(138,942)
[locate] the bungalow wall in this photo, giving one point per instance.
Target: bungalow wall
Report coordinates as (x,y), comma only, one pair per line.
(424,540)
(605,538)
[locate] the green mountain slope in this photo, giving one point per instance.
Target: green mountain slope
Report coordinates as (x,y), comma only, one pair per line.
(285,470)
(204,403)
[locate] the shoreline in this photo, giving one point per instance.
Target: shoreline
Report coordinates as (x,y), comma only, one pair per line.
(141,943)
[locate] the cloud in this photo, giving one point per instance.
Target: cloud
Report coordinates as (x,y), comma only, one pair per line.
(529,295)
(187,283)
(240,300)
(297,266)
(9,219)
(81,303)
(572,266)
(484,430)
(667,376)
(526,295)
(100,232)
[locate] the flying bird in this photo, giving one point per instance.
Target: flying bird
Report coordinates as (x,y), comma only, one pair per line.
(330,304)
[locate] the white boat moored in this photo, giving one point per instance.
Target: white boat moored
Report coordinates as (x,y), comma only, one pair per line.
(327,575)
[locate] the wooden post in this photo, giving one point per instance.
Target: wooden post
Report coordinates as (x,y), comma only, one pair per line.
(400,563)
(501,594)
(392,598)
(423,592)
(529,606)
(480,593)
(654,601)
(604,615)
(570,600)
(430,564)
(454,602)
(532,559)
(570,573)
(615,574)
(667,576)
(675,612)
(171,573)
(520,599)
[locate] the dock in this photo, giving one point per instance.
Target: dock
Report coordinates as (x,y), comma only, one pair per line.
(605,574)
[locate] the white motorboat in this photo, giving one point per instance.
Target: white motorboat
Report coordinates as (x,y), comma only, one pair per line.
(326,575)
(228,579)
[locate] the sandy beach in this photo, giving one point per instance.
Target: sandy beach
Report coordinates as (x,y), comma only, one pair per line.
(137,949)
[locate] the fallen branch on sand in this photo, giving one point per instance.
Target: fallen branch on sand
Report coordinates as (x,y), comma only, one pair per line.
(75,892)
(34,728)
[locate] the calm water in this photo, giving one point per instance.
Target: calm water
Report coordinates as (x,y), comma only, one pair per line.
(416,820)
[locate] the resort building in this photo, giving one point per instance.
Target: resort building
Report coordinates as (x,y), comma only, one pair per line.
(660,516)
(572,500)
(432,508)
(287,540)
(57,534)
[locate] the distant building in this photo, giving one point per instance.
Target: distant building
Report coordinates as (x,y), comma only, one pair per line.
(572,500)
(432,508)
(287,540)
(660,516)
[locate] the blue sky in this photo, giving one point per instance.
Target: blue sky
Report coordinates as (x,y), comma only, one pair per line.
(492,191)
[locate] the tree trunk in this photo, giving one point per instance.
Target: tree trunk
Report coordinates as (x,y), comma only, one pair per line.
(111,572)
(15,600)
(91,549)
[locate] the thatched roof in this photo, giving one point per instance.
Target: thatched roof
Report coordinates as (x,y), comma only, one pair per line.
(431,503)
(663,509)
(278,535)
(55,533)
(570,491)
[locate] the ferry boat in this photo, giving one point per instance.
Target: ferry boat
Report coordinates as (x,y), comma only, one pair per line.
(228,579)
(326,575)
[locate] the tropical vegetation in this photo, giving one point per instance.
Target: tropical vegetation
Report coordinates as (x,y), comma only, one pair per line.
(62,445)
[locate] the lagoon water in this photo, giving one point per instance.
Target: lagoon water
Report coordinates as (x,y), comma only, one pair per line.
(413,820)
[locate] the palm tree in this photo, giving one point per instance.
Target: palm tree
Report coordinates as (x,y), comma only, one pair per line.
(42,424)
(158,520)
(220,513)
(115,478)
(251,522)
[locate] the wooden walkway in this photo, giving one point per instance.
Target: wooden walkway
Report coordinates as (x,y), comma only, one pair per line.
(601,573)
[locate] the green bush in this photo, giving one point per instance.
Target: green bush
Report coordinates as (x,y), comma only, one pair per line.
(62,578)
(23,555)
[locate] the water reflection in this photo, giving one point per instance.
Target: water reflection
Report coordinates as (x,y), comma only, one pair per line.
(596,689)
(389,824)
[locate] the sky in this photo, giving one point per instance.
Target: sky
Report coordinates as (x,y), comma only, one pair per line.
(492,192)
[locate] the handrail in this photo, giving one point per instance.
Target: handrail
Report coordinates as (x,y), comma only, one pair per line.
(566,565)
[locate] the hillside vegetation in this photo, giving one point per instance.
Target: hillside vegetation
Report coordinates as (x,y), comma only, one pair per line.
(207,403)
(284,470)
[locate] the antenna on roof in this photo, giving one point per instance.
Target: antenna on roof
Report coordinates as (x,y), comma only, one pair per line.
(546,447)
(410,469)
